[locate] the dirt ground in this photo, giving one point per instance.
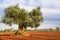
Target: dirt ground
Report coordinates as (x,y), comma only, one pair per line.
(33,36)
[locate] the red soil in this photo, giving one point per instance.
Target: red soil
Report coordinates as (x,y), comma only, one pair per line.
(33,36)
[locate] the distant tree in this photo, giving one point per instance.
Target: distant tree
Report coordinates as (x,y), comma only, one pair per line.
(36,16)
(57,28)
(50,29)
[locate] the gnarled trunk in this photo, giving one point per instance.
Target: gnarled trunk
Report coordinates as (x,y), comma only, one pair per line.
(21,31)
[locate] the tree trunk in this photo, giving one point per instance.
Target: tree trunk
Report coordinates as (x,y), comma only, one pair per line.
(21,31)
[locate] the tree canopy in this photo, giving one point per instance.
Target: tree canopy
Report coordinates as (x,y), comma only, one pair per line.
(20,16)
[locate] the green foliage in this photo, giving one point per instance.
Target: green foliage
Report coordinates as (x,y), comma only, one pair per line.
(21,17)
(36,16)
(1,30)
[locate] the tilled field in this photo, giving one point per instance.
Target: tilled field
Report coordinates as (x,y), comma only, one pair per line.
(33,36)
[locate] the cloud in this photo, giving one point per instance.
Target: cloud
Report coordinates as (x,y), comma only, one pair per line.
(50,11)
(32,3)
(5,26)
(51,14)
(11,2)
(50,3)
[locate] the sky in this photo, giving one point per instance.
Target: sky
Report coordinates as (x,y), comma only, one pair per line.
(50,8)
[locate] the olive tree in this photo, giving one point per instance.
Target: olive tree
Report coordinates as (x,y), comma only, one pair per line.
(16,15)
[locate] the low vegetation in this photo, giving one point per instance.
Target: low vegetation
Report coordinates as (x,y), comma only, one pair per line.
(40,30)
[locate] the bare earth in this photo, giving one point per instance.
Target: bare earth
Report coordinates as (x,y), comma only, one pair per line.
(33,36)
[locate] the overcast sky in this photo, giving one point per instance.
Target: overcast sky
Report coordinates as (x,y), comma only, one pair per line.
(49,8)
